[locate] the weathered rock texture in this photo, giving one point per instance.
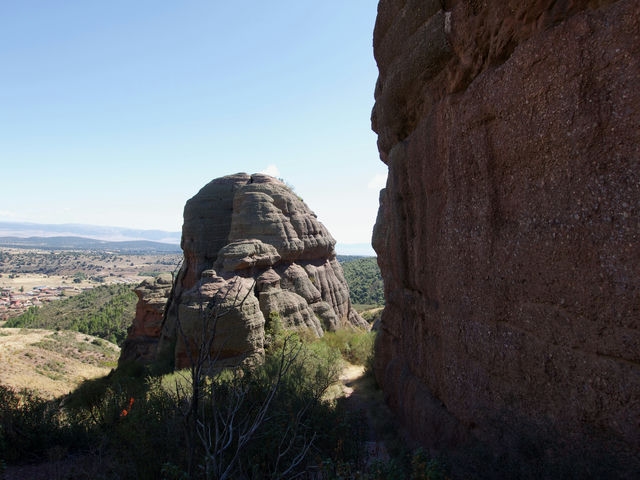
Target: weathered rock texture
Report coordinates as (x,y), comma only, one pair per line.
(253,253)
(508,233)
(142,338)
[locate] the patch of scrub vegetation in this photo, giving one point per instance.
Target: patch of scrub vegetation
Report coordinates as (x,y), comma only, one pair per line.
(355,346)
(365,281)
(105,311)
(270,420)
(53,369)
(91,351)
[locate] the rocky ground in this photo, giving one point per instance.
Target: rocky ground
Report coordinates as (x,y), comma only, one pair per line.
(362,397)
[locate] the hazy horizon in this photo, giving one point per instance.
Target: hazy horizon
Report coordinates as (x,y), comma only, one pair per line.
(116,233)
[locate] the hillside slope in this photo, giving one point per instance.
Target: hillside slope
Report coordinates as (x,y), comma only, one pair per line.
(52,363)
(105,311)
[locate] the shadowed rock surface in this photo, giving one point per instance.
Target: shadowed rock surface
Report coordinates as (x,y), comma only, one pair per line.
(254,253)
(142,338)
(508,232)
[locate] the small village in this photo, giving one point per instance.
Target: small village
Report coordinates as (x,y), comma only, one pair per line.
(14,303)
(16,300)
(32,278)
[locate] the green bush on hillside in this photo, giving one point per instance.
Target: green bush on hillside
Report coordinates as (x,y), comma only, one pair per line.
(105,311)
(132,424)
(365,281)
(144,427)
(354,346)
(30,427)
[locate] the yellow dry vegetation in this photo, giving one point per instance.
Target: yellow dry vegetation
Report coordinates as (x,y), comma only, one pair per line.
(51,363)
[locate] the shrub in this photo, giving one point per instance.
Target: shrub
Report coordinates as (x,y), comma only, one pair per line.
(263,421)
(365,281)
(30,426)
(104,311)
(355,346)
(269,412)
(425,468)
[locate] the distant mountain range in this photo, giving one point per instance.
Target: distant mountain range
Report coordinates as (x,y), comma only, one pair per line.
(93,237)
(109,234)
(80,243)
(87,237)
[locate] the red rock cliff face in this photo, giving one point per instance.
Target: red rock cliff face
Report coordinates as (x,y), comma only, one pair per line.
(509,233)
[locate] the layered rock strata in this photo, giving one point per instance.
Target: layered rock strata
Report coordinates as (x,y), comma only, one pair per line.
(142,338)
(254,253)
(508,232)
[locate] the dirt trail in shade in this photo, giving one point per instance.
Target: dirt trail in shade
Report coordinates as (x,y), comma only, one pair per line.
(349,375)
(362,399)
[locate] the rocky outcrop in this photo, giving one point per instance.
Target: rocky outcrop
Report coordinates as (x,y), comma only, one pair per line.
(142,339)
(508,232)
(253,253)
(218,320)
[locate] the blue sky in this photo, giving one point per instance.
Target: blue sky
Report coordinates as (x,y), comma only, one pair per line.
(117,112)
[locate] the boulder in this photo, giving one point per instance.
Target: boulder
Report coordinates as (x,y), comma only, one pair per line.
(246,254)
(508,231)
(292,309)
(218,320)
(253,252)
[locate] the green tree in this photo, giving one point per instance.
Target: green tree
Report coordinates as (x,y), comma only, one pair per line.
(365,281)
(105,311)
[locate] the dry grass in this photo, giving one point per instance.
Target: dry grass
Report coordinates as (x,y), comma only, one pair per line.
(52,363)
(29,268)
(28,281)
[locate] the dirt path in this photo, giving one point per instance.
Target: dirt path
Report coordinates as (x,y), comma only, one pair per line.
(362,398)
(350,374)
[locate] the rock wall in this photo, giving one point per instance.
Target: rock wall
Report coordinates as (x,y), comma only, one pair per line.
(254,253)
(508,233)
(142,338)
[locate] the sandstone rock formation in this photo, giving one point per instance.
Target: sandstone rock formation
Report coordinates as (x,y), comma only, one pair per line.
(508,233)
(253,253)
(142,338)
